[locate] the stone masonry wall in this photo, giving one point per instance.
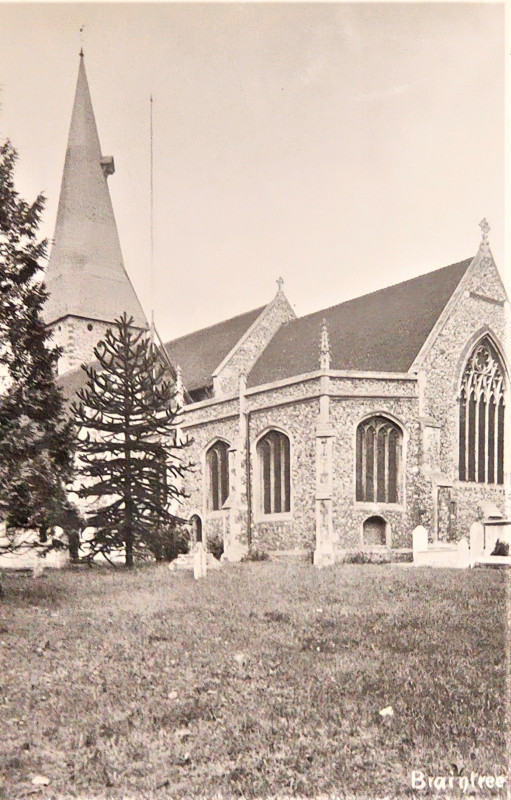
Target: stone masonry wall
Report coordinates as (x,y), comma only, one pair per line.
(375,387)
(296,530)
(299,422)
(199,413)
(242,360)
(295,410)
(78,337)
(351,399)
(283,394)
(202,436)
(348,514)
(443,368)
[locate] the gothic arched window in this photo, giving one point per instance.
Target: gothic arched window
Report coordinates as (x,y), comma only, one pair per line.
(217,461)
(273,452)
(379,446)
(481,456)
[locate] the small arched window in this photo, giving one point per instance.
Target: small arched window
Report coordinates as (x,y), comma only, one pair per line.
(273,452)
(375,531)
(217,461)
(481,431)
(196,524)
(379,447)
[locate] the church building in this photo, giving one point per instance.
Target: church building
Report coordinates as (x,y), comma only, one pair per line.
(328,434)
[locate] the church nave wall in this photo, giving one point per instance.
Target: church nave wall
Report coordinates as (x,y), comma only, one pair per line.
(350,514)
(472,318)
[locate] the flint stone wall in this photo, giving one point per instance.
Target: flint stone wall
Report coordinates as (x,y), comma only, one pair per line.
(203,435)
(348,514)
(271,319)
(77,341)
(197,414)
(294,408)
(298,421)
(298,417)
(374,387)
(443,366)
(283,394)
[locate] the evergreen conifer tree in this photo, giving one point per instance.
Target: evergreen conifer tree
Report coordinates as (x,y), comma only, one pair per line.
(36,435)
(130,458)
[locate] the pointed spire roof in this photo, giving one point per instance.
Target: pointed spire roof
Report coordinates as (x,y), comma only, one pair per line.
(86,275)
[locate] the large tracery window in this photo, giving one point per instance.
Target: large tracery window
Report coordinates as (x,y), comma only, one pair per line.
(274,468)
(217,460)
(481,457)
(379,446)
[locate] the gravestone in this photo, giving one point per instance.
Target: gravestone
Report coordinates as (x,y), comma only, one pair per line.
(420,539)
(38,568)
(476,541)
(200,564)
(463,554)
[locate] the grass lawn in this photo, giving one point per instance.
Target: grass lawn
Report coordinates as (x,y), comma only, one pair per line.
(261,679)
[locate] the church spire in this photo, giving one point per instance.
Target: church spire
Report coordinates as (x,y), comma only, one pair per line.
(86,276)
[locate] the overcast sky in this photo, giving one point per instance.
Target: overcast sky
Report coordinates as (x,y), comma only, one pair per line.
(345,147)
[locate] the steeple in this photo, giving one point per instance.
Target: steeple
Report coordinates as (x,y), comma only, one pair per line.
(86,278)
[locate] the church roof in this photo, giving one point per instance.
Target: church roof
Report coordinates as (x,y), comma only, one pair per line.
(379,332)
(86,275)
(200,353)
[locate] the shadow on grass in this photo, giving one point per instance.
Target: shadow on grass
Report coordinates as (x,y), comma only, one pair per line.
(21,590)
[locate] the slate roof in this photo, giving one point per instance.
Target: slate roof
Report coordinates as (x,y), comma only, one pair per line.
(379,332)
(86,275)
(200,353)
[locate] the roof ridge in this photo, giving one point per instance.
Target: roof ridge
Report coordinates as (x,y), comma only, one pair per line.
(466,261)
(381,331)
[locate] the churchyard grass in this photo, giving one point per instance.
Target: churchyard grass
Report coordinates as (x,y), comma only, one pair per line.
(261,679)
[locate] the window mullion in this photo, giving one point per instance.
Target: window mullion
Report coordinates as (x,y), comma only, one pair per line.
(386,463)
(375,466)
(496,440)
(282,475)
(467,432)
(487,401)
(272,474)
(218,479)
(476,436)
(364,464)
(500,442)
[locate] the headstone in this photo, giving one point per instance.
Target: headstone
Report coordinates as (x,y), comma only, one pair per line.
(501,532)
(476,541)
(420,539)
(489,510)
(38,568)
(463,554)
(200,564)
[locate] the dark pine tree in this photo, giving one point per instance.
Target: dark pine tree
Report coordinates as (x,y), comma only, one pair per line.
(36,435)
(130,458)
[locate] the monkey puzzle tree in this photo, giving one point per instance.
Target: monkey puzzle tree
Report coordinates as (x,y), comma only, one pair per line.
(130,458)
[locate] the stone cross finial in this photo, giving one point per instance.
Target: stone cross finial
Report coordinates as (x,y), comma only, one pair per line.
(280,284)
(324,358)
(485,229)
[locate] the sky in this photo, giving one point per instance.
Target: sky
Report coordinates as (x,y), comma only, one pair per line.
(342,146)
